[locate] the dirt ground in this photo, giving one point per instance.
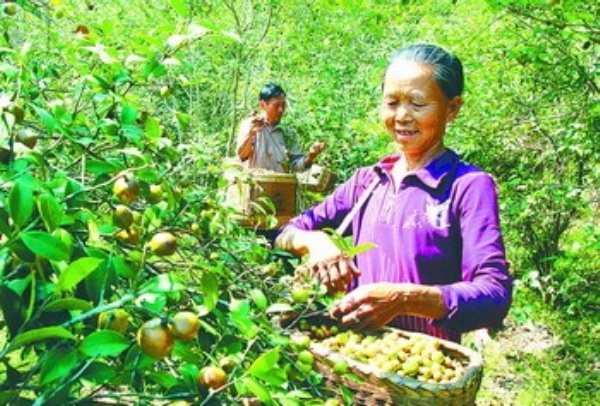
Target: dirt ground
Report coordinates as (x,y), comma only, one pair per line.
(501,382)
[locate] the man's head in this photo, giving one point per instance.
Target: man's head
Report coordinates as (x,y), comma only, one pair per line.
(272,99)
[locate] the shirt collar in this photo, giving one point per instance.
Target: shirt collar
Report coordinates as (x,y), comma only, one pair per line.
(432,174)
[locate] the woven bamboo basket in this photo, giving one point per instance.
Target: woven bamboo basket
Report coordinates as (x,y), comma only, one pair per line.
(372,386)
(247,195)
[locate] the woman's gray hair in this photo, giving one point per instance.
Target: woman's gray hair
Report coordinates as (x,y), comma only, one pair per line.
(448,69)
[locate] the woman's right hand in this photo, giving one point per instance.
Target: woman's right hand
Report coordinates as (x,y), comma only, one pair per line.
(329,265)
(326,262)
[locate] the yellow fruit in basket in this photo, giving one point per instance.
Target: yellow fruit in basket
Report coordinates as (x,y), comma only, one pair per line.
(163,244)
(414,357)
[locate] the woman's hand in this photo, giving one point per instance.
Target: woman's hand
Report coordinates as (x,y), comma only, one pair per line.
(372,306)
(329,265)
(326,262)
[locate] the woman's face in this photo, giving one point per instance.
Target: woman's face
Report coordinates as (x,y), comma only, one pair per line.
(274,108)
(415,110)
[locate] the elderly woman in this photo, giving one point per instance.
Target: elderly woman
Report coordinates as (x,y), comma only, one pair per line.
(439,264)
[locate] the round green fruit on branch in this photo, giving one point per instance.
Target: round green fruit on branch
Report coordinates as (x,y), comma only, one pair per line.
(155,194)
(129,235)
(306,357)
(155,338)
(163,244)
(212,377)
(126,188)
(116,320)
(301,294)
(10,9)
(122,216)
(185,326)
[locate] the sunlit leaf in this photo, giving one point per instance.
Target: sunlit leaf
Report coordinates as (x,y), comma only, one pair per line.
(104,343)
(210,290)
(45,245)
(265,368)
(21,202)
(181,7)
(77,271)
(258,389)
(50,211)
(41,334)
(68,304)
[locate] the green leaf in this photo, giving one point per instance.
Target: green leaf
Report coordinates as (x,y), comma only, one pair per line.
(163,378)
(210,289)
(359,249)
(128,115)
(104,343)
(152,127)
(180,7)
(265,367)
(46,117)
(100,167)
(259,298)
(58,363)
(76,272)
(164,283)
(50,210)
(41,334)
(68,304)
(280,308)
(45,245)
(258,389)
(20,202)
(99,373)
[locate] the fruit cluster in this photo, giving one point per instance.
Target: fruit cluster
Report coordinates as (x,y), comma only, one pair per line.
(318,331)
(156,337)
(415,357)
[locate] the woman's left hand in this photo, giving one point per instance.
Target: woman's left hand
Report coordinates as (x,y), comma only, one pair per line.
(369,307)
(372,306)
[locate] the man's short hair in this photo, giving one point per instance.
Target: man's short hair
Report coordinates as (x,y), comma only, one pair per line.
(269,91)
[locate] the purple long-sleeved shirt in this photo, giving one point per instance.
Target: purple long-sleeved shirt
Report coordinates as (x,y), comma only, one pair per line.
(440,228)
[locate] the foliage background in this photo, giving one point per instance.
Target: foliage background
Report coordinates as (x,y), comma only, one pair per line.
(158,87)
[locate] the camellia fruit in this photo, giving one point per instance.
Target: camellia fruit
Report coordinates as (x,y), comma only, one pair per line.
(155,194)
(130,235)
(10,9)
(212,377)
(155,338)
(163,244)
(301,295)
(126,188)
(116,320)
(27,137)
(185,326)
(122,216)
(306,357)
